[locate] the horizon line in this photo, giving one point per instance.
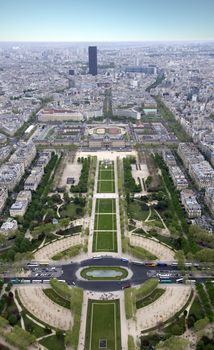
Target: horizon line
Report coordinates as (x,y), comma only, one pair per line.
(107,41)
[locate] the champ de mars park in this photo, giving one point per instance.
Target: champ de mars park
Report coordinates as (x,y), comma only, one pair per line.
(108,272)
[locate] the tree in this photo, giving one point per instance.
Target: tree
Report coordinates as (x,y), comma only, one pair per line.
(8,287)
(201,324)
(179,256)
(173,343)
(12,318)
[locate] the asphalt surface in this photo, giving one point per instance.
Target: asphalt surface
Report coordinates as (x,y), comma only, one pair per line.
(140,273)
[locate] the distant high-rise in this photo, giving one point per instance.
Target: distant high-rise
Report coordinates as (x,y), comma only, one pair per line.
(92,60)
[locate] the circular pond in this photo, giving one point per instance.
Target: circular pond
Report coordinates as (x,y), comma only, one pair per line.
(104,273)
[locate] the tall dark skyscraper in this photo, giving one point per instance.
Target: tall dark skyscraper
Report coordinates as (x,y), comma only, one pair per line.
(92,57)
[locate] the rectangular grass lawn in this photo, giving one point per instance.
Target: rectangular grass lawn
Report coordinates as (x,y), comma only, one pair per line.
(105,222)
(106,174)
(103,324)
(105,241)
(106,178)
(105,205)
(105,186)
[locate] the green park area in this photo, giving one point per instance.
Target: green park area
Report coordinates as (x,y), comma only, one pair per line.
(105,234)
(103,325)
(106,177)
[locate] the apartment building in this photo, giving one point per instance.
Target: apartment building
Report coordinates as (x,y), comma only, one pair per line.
(59,115)
(3,197)
(24,154)
(202,173)
(24,196)
(189,154)
(209,198)
(169,158)
(178,177)
(9,226)
(44,158)
(189,201)
(10,175)
(34,179)
(18,208)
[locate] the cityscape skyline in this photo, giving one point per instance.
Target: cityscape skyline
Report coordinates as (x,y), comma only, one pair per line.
(107,21)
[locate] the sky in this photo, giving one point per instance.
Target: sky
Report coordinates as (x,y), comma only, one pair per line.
(106,20)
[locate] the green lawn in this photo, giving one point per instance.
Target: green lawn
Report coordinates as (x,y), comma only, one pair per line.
(103,323)
(136,211)
(105,222)
(106,174)
(68,253)
(54,342)
(69,211)
(106,186)
(85,273)
(151,298)
(106,178)
(105,205)
(34,328)
(105,241)
(51,294)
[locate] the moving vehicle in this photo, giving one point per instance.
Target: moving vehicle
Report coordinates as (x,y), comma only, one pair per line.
(96,257)
(179,280)
(151,264)
(166,275)
(32,264)
(160,263)
(36,281)
(125,259)
(166,281)
(15,281)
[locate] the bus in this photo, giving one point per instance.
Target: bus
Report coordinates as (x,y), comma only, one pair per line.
(166,275)
(36,281)
(15,281)
(137,262)
(32,264)
(166,281)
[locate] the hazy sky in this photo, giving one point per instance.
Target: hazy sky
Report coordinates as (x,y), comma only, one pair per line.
(106,20)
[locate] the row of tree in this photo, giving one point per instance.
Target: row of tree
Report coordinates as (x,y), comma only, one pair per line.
(82,186)
(129,182)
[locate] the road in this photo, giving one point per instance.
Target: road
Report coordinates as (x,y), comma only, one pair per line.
(140,273)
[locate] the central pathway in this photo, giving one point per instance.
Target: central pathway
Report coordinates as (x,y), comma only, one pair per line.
(113,195)
(116,295)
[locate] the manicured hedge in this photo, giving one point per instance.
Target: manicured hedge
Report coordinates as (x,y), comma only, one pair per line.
(19,338)
(146,288)
(205,301)
(210,290)
(61,288)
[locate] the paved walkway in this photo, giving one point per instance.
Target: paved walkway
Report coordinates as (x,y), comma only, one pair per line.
(83,322)
(58,246)
(161,251)
(91,227)
(160,310)
(119,244)
(37,303)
